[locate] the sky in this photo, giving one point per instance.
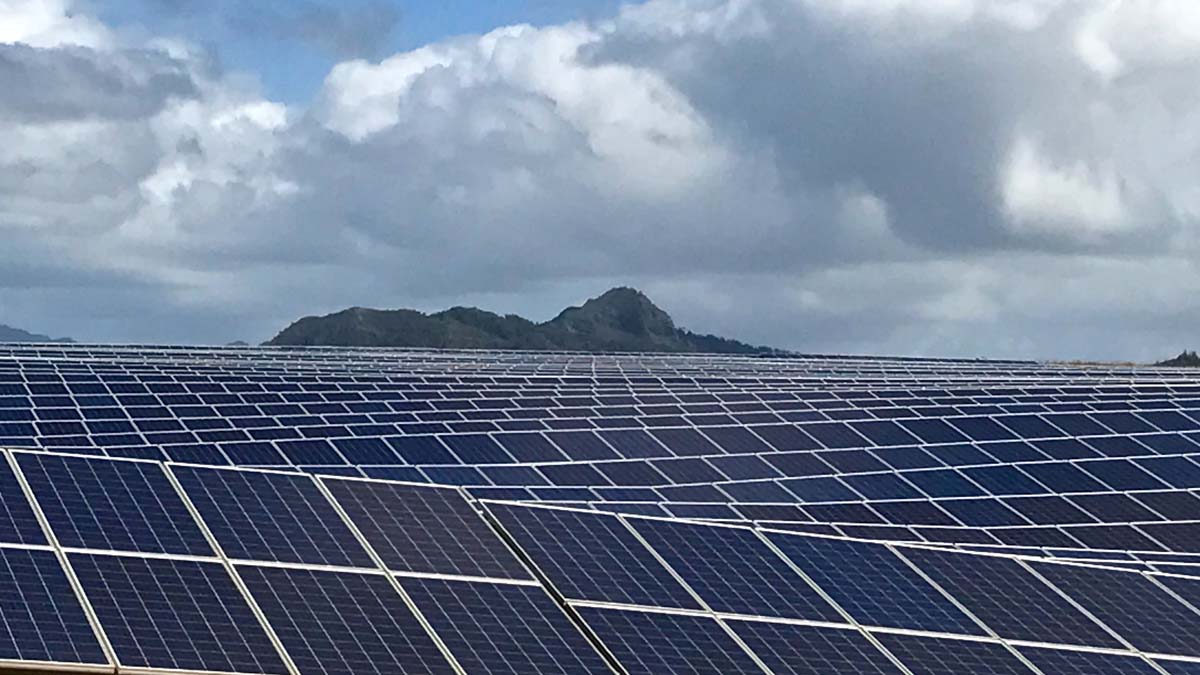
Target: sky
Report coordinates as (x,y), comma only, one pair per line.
(991,178)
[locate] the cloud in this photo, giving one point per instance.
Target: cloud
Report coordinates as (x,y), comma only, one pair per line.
(960,177)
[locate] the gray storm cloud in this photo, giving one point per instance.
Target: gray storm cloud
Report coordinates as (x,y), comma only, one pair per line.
(1002,178)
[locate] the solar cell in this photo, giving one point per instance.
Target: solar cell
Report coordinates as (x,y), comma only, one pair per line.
(112,505)
(647,643)
(592,557)
(337,623)
(176,614)
(424,529)
(271,516)
(873,585)
(503,628)
(734,571)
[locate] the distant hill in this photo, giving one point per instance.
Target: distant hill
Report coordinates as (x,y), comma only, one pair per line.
(1185,359)
(10,334)
(623,319)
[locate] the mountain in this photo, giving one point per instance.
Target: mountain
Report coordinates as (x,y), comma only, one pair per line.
(1185,360)
(621,320)
(10,334)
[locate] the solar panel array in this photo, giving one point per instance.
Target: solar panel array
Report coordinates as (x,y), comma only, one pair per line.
(361,511)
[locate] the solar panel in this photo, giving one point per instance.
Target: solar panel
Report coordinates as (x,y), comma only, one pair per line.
(423,529)
(942,656)
(1179,667)
(176,614)
(873,448)
(1132,605)
(1086,663)
(18,524)
(874,585)
(791,649)
(271,516)
(1008,599)
(338,623)
(41,619)
(111,505)
(592,557)
(503,628)
(734,571)
(652,643)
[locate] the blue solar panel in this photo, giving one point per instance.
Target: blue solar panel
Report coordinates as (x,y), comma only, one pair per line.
(1008,599)
(271,516)
(873,585)
(1132,605)
(503,629)
(941,656)
(1180,667)
(592,557)
(18,524)
(425,529)
(176,614)
(790,649)
(734,571)
(646,643)
(112,505)
(41,619)
(337,623)
(736,440)
(1064,662)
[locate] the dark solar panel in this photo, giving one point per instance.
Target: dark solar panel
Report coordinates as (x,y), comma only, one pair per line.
(592,557)
(503,628)
(1064,662)
(41,619)
(1180,667)
(790,649)
(1008,599)
(941,656)
(18,524)
(337,623)
(111,505)
(873,585)
(734,571)
(686,442)
(646,643)
(176,614)
(271,516)
(1132,605)
(424,529)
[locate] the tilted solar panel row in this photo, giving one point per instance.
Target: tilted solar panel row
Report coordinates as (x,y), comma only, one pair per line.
(231,570)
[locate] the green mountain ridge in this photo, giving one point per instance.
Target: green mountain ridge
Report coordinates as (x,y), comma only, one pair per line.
(620,320)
